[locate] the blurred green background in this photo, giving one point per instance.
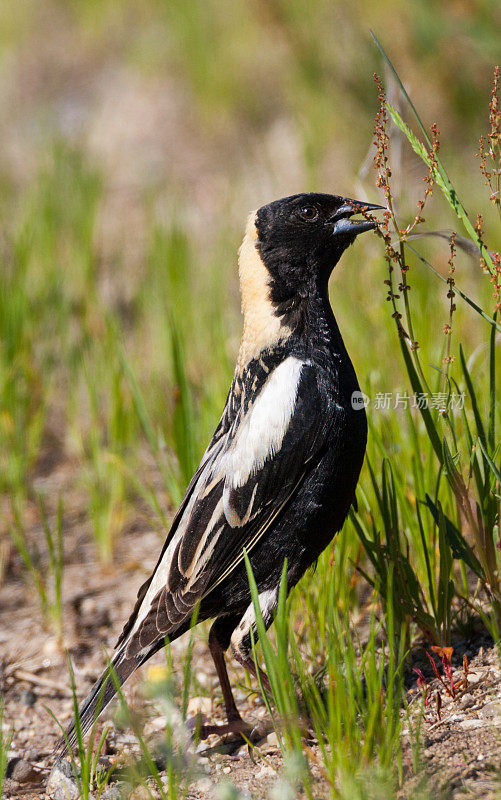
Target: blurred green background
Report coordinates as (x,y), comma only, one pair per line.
(134,140)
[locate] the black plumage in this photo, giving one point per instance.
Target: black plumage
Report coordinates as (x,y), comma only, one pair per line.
(279,476)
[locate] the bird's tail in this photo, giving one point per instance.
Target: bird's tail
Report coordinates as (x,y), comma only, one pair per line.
(103,691)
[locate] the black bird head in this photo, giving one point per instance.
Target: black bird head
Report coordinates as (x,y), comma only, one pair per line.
(287,255)
(307,233)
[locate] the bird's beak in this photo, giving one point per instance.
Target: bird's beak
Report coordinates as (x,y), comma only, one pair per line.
(344,225)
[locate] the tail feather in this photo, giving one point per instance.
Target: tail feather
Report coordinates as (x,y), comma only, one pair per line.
(105,688)
(99,697)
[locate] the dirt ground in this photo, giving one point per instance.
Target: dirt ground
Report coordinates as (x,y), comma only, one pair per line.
(461,751)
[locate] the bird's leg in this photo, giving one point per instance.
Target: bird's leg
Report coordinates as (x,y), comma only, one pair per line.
(217,653)
(219,641)
(219,636)
(244,658)
(242,653)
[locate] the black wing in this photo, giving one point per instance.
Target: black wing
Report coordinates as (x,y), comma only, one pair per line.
(246,479)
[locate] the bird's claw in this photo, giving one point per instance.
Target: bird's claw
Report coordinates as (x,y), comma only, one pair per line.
(236,733)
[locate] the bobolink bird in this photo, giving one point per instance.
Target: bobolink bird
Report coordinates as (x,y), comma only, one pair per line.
(279,476)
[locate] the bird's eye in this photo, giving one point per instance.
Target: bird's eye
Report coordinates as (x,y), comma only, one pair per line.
(309,213)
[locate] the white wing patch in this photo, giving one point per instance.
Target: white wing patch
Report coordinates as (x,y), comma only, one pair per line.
(258,438)
(267,603)
(263,428)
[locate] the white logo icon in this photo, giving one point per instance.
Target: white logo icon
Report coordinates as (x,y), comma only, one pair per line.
(359,400)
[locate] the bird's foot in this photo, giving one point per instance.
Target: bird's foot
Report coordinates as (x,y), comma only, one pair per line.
(237,730)
(200,729)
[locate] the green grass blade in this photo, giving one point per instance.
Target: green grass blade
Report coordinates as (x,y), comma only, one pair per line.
(489,460)
(425,412)
(471,391)
(445,184)
(492,388)
(458,544)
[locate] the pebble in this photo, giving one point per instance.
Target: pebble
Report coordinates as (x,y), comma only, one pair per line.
(265,772)
(202,678)
(491,709)
(22,771)
(10,788)
(226,770)
(158,723)
(61,784)
(467,701)
(473,677)
(88,605)
(28,697)
(199,704)
(202,785)
(51,648)
(272,739)
(471,724)
(140,793)
(117,792)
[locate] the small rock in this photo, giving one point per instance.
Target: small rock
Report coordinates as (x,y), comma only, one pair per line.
(140,793)
(158,723)
(34,754)
(22,771)
(272,739)
(10,788)
(265,772)
(471,724)
(473,677)
(467,701)
(88,606)
(117,792)
(226,770)
(28,697)
(199,704)
(51,648)
(202,785)
(202,678)
(491,709)
(61,784)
